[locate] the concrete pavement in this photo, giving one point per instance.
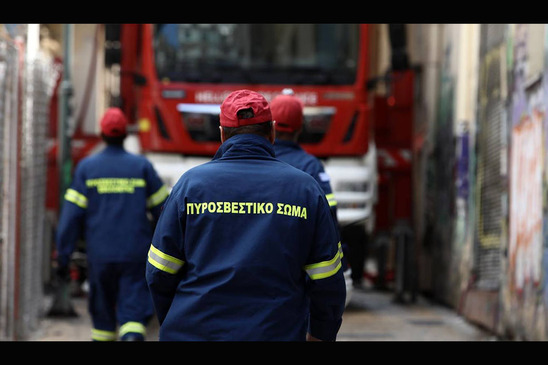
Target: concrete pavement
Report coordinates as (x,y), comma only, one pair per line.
(373,316)
(370,316)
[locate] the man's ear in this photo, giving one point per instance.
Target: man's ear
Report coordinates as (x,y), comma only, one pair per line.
(222,134)
(272,138)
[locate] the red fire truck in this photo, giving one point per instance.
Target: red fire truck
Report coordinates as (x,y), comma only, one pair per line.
(175,76)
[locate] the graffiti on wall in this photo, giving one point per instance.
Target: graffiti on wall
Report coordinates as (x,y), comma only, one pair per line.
(462,183)
(525,244)
(527,168)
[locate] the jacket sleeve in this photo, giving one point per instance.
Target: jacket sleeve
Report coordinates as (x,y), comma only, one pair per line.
(165,258)
(327,286)
(71,221)
(157,192)
(316,169)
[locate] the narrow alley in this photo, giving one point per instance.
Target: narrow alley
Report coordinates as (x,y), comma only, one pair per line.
(432,142)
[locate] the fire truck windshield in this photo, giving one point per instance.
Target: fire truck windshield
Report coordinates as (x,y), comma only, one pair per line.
(302,54)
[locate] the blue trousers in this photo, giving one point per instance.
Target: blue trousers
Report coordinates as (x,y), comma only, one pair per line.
(118,295)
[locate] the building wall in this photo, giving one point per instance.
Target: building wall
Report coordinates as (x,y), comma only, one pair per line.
(486,173)
(523,306)
(26,85)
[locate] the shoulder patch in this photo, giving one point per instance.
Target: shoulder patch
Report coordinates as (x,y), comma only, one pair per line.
(323,176)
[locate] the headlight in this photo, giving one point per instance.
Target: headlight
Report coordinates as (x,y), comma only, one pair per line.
(316,122)
(201,121)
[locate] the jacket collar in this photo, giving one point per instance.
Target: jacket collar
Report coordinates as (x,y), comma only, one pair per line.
(114,148)
(245,145)
(285,143)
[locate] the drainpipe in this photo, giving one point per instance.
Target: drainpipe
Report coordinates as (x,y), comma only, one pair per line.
(66,92)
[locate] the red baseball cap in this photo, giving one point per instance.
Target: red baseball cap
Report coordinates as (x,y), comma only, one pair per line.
(113,123)
(287,111)
(256,106)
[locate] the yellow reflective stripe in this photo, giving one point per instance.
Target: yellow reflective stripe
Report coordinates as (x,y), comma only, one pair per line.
(110,185)
(157,197)
(331,199)
(75,197)
(134,327)
(100,335)
(325,269)
(164,262)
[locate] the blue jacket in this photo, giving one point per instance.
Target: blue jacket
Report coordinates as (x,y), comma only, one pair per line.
(107,205)
(246,249)
(296,156)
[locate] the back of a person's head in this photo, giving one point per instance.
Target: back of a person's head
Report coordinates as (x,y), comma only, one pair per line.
(113,126)
(263,130)
(287,112)
(245,112)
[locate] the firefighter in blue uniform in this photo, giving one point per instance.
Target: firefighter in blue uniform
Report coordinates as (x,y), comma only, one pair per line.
(287,112)
(107,205)
(246,248)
